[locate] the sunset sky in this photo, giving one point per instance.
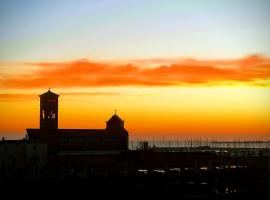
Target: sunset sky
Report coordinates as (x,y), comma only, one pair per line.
(173,69)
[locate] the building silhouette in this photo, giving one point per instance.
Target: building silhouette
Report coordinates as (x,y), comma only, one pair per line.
(113,137)
(49,110)
(91,161)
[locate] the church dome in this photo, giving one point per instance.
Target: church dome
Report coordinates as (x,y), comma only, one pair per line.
(115,122)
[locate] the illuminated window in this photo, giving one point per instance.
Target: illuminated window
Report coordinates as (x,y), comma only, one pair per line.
(43,114)
(52,115)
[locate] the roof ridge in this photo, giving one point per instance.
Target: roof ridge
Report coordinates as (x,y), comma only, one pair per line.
(49,93)
(115,116)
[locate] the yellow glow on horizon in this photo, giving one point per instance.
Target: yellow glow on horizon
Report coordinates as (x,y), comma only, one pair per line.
(172,112)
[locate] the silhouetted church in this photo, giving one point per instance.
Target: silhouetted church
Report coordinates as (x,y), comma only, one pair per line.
(113,137)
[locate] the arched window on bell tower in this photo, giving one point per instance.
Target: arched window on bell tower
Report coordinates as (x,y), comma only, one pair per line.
(42,114)
(49,110)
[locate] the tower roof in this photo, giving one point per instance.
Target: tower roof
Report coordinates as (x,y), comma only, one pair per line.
(49,94)
(115,117)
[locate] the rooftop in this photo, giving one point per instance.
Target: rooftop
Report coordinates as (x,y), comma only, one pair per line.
(49,93)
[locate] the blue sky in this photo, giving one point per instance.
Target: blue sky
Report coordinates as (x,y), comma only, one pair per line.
(34,30)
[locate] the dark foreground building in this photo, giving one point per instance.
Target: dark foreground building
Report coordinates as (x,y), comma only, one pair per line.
(113,137)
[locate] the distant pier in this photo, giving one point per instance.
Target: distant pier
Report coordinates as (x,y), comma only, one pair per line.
(189,143)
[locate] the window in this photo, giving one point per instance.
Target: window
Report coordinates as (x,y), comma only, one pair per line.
(52,115)
(43,114)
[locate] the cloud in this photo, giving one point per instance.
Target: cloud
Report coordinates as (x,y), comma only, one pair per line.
(84,73)
(24,97)
(15,97)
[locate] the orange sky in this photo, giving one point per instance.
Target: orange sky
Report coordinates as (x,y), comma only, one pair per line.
(174,98)
(176,69)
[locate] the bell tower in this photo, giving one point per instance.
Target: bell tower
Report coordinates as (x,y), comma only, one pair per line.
(49,110)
